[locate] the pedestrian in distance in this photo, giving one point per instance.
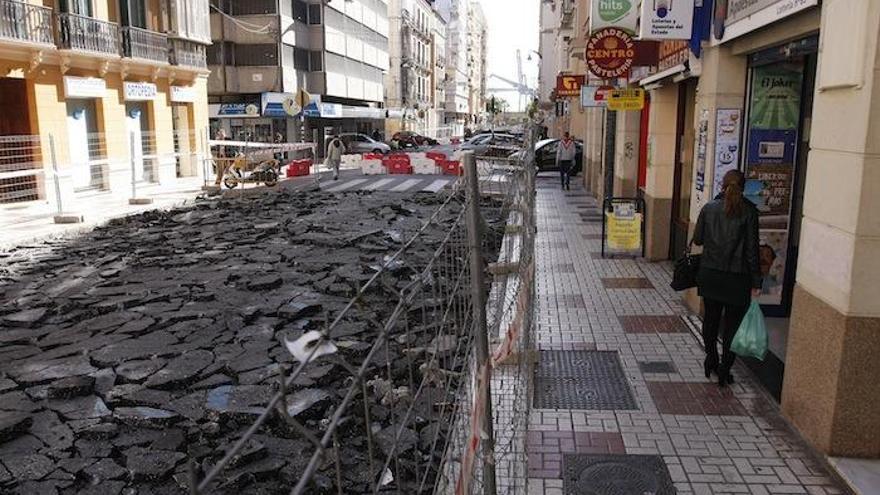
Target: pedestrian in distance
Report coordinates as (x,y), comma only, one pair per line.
(221,163)
(335,150)
(566,152)
(376,135)
(730,270)
(279,155)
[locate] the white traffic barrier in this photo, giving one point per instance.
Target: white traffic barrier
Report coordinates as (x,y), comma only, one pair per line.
(351,158)
(372,167)
(424,166)
(417,154)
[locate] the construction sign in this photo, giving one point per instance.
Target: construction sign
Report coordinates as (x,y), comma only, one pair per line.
(569,86)
(626,99)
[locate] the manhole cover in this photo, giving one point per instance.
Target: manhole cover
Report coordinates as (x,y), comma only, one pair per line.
(657,367)
(586,380)
(615,475)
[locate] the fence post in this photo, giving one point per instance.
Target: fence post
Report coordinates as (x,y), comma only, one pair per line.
(480,327)
(134,200)
(60,216)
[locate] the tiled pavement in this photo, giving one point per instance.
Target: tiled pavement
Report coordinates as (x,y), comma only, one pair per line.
(711,441)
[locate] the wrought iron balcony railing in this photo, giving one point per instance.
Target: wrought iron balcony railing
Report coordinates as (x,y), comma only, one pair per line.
(188,53)
(77,32)
(144,44)
(24,22)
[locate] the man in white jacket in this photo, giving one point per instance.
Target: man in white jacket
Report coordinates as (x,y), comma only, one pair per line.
(566,153)
(335,150)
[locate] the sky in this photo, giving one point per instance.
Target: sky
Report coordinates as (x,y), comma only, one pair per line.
(512,24)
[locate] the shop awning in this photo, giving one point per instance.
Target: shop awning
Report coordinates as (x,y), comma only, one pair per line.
(657,79)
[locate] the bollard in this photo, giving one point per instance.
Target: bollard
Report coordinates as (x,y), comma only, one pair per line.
(60,215)
(134,199)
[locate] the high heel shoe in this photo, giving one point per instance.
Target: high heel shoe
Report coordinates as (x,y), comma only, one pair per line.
(709,367)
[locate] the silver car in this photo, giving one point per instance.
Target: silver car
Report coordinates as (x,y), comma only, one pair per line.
(482,143)
(361,143)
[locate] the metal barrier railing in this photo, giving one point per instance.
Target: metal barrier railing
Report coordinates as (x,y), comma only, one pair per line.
(21,168)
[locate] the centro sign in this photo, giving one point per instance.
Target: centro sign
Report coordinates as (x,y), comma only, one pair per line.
(610,53)
(139,91)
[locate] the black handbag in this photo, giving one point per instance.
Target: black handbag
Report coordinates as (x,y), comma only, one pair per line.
(686,268)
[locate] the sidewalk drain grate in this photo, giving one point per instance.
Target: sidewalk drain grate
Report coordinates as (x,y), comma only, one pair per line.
(657,367)
(585,380)
(615,475)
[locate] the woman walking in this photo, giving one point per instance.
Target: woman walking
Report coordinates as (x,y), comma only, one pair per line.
(730,271)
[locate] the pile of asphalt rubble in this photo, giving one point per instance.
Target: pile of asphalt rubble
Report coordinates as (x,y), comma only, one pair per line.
(151,344)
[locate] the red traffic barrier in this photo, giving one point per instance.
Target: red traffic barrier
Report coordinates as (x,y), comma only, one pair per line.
(399,167)
(451,167)
(299,168)
(373,156)
(398,157)
(436,156)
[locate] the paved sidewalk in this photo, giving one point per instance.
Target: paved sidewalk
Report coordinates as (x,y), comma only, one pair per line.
(621,404)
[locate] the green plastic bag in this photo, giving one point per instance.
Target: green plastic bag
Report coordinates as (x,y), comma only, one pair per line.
(751,338)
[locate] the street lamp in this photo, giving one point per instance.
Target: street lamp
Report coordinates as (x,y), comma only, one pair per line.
(529,57)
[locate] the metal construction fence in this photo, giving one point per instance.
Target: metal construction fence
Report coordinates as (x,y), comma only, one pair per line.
(413,410)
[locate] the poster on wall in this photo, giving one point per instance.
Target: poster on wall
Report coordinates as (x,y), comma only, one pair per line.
(772,253)
(702,145)
(727,128)
(773,123)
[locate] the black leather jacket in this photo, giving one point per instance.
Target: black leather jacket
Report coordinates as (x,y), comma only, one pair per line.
(729,244)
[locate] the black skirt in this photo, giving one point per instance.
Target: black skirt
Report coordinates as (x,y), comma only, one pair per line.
(732,289)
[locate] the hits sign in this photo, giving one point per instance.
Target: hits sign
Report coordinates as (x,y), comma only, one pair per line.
(626,99)
(568,86)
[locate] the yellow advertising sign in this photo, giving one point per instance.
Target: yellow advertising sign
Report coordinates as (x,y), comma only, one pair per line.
(624,232)
(626,99)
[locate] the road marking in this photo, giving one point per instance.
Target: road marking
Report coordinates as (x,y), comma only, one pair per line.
(378,184)
(346,185)
(436,185)
(405,185)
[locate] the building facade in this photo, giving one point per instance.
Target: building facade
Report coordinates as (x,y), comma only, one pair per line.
(465,46)
(415,31)
(107,93)
(788,93)
(265,51)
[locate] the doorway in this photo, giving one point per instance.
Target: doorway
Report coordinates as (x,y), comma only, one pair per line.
(136,127)
(684,168)
(82,133)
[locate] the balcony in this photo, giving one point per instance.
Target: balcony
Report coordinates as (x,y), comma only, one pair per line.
(25,23)
(81,33)
(187,53)
(144,44)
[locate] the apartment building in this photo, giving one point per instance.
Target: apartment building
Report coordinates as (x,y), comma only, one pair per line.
(265,51)
(477,63)
(455,14)
(414,30)
(101,90)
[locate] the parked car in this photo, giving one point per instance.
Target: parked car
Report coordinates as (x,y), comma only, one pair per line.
(361,143)
(409,139)
(481,143)
(545,156)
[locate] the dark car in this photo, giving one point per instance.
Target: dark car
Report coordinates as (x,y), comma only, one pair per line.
(412,139)
(545,156)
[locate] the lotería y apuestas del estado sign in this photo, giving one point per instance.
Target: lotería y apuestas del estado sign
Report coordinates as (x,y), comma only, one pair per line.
(610,53)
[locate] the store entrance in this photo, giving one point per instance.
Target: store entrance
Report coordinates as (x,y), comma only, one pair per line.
(777,144)
(684,168)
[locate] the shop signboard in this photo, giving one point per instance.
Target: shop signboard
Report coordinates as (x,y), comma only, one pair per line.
(183,94)
(622,14)
(139,91)
(773,123)
(280,105)
(666,19)
(626,99)
(594,96)
(728,122)
(734,18)
(672,53)
(569,85)
(84,87)
(610,53)
(238,110)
